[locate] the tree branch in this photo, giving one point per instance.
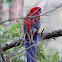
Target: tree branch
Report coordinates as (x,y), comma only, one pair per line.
(43,36)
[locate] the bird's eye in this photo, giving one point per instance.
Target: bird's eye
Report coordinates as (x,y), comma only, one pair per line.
(39,9)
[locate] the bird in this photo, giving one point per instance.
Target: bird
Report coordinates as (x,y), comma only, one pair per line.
(31,25)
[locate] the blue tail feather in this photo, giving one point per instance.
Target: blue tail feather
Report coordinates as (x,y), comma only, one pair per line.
(32,51)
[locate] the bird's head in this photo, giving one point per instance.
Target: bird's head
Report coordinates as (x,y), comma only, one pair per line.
(35,10)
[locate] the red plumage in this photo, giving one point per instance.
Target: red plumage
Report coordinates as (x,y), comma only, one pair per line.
(28,24)
(33,12)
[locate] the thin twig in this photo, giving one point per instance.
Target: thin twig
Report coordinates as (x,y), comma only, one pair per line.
(36,15)
(24,49)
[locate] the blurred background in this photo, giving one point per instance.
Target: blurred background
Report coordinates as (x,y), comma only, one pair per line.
(20,8)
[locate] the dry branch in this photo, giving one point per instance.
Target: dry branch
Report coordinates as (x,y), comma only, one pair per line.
(44,14)
(49,35)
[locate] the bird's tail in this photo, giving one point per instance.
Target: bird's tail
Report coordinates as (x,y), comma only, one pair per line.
(31,51)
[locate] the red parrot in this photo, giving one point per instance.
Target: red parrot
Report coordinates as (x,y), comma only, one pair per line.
(31,28)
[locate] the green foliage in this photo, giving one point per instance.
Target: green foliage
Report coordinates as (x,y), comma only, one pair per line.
(47,58)
(55,57)
(10,32)
(4,1)
(14,30)
(19,57)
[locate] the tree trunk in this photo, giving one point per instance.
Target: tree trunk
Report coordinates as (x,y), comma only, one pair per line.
(16,9)
(21,7)
(1,12)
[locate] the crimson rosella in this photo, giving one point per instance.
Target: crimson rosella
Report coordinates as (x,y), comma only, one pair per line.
(31,28)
